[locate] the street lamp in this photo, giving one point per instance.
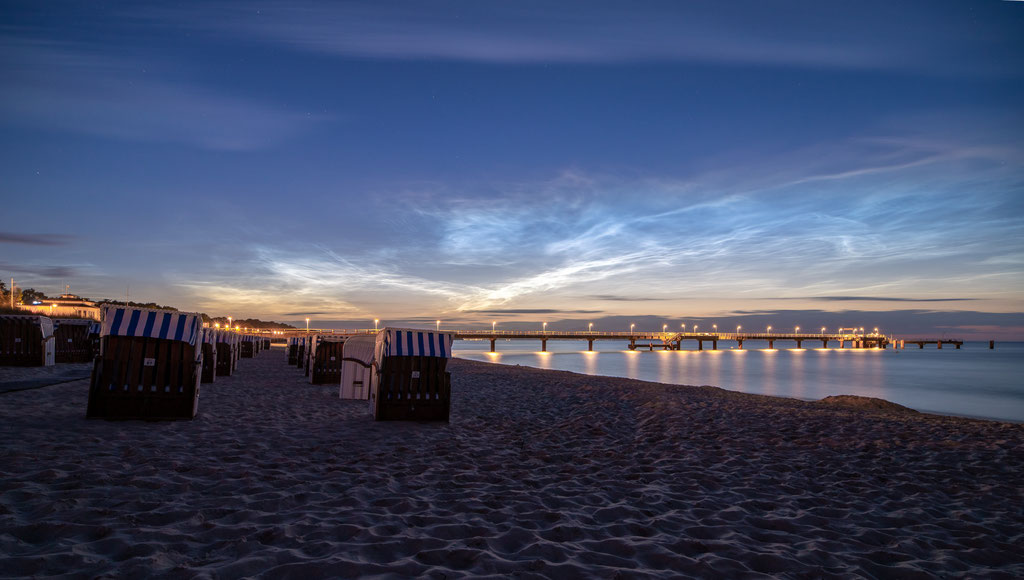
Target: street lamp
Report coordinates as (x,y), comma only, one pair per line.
(876,330)
(229,322)
(545,327)
(715,327)
(823,330)
(493,322)
(695,329)
(664,327)
(375,321)
(590,327)
(769,330)
(631,327)
(683,326)
(797,331)
(307,325)
(738,327)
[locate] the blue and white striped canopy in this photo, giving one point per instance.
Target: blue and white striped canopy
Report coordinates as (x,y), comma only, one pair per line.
(411,342)
(165,324)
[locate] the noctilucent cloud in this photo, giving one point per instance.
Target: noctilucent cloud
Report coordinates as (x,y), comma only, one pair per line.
(521,162)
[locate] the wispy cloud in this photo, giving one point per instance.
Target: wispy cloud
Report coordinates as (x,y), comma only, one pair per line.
(598,33)
(77,87)
(36,239)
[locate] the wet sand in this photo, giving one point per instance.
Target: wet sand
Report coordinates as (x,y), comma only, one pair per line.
(539,474)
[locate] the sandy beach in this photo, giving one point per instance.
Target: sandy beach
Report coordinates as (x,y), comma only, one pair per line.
(541,474)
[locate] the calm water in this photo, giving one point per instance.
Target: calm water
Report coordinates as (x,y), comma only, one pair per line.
(973,381)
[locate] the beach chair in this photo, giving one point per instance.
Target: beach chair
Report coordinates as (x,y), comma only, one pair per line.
(325,368)
(71,340)
(246,347)
(26,341)
(411,381)
(209,356)
(357,367)
(293,350)
(300,353)
(225,356)
(149,365)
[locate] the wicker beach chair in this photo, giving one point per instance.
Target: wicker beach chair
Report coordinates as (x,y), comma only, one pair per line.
(209,356)
(357,367)
(326,360)
(26,341)
(411,382)
(149,365)
(71,340)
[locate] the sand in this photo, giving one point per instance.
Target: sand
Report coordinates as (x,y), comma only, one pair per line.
(541,474)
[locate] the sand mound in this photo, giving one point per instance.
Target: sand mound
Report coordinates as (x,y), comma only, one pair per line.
(871,403)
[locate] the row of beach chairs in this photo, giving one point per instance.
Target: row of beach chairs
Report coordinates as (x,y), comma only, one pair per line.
(401,372)
(32,340)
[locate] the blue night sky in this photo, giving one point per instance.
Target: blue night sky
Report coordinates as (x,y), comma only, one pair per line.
(794,162)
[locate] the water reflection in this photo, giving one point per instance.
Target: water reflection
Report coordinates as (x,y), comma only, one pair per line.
(975,382)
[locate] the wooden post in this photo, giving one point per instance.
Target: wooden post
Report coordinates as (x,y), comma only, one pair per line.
(771,344)
(700,344)
(939,342)
(543,345)
(590,344)
(799,343)
(492,345)
(991,345)
(739,341)
(714,344)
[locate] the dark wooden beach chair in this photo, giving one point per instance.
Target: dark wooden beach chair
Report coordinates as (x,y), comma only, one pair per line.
(149,365)
(71,340)
(247,349)
(412,381)
(26,341)
(325,368)
(225,360)
(293,350)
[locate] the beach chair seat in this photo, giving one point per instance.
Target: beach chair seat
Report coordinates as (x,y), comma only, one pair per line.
(26,341)
(149,365)
(325,368)
(412,381)
(71,340)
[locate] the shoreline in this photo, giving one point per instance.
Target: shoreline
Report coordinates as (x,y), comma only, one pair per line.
(544,474)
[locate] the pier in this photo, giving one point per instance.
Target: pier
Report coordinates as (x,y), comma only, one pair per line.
(651,341)
(676,340)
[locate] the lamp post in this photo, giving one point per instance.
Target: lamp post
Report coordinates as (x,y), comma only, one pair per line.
(590,327)
(438,326)
(738,327)
(769,330)
(307,325)
(375,321)
(229,322)
(823,330)
(695,329)
(715,327)
(631,327)
(797,331)
(664,327)
(683,326)
(493,322)
(544,328)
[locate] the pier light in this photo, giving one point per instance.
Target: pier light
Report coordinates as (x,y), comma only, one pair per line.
(695,329)
(438,325)
(683,326)
(216,325)
(769,329)
(545,327)
(664,327)
(590,327)
(823,330)
(493,322)
(307,325)
(715,327)
(738,327)
(375,321)
(631,327)
(797,329)
(876,330)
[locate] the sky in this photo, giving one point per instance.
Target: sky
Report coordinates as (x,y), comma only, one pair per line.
(819,162)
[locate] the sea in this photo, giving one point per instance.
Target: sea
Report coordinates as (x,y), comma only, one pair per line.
(972,381)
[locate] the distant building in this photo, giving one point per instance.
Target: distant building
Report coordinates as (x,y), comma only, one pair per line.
(67,306)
